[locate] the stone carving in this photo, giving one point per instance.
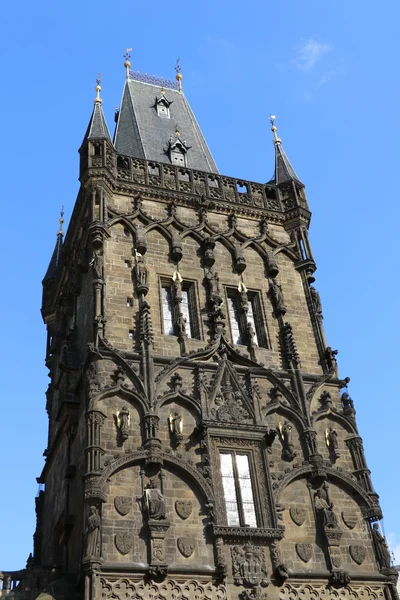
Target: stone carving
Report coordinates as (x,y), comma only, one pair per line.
(358,553)
(304,552)
(349,518)
(253,594)
(341,579)
(97,264)
(298,515)
(157,549)
(286,436)
(277,295)
(335,556)
(184,508)
(124,542)
(381,548)
(240,261)
(214,288)
(316,301)
(175,423)
(123,504)
(93,541)
(141,274)
(229,406)
(307,591)
(281,571)
(248,566)
(186,546)
(209,256)
(331,438)
(128,589)
(154,501)
(123,423)
(324,509)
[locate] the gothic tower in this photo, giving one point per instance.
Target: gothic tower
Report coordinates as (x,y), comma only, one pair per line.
(201,442)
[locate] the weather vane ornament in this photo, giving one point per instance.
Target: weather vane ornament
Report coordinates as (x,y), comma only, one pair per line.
(277,140)
(61,221)
(179,75)
(127,63)
(98,89)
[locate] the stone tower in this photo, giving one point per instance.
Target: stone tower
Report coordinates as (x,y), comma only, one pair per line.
(201,442)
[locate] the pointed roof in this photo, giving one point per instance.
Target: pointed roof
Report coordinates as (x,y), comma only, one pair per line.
(284,171)
(55,258)
(141,132)
(97,128)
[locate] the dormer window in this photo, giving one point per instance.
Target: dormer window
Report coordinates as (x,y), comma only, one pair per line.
(178,158)
(177,150)
(163,111)
(162,105)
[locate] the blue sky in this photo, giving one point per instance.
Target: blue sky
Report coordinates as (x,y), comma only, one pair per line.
(328,70)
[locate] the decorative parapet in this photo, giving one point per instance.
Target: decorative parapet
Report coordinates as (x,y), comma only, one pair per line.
(209,185)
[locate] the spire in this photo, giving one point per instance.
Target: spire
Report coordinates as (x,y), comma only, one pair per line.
(55,258)
(283,169)
(97,128)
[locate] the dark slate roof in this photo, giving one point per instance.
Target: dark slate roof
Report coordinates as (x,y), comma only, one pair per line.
(140,132)
(55,258)
(97,128)
(283,169)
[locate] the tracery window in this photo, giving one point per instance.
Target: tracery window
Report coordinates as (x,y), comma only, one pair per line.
(238,489)
(187,306)
(240,318)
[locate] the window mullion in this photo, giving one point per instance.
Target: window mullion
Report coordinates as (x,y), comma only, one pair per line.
(237,489)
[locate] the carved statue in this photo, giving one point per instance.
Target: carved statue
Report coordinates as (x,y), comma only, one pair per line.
(97,264)
(175,422)
(123,422)
(93,533)
(330,357)
(213,287)
(277,294)
(154,501)
(286,431)
(141,272)
(316,300)
(181,325)
(332,442)
(381,548)
(251,334)
(325,509)
(347,403)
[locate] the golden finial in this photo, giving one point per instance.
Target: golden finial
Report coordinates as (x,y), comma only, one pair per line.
(277,140)
(127,63)
(98,100)
(61,221)
(179,75)
(177,132)
(162,91)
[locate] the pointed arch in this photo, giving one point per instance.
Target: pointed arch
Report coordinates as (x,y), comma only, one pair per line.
(133,458)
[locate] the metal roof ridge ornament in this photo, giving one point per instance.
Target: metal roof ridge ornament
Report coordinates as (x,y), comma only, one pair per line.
(277,140)
(98,100)
(154,80)
(179,75)
(127,63)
